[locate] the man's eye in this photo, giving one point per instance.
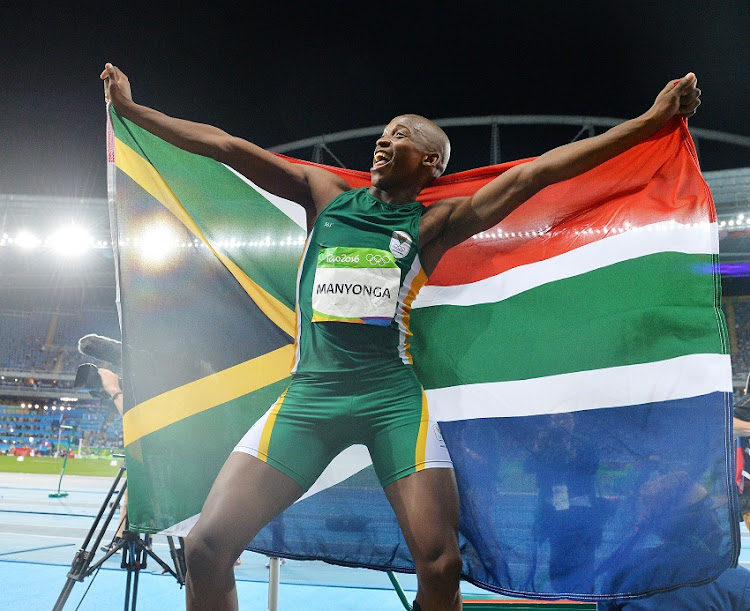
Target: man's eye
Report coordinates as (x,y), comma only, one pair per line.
(401,134)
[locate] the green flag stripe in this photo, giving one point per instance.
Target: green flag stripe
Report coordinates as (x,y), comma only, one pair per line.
(604,318)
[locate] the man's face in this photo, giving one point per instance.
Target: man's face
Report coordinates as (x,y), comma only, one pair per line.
(399,154)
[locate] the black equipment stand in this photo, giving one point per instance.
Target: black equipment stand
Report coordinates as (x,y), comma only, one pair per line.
(135,552)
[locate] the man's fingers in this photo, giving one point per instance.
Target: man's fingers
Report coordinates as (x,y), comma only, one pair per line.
(691,97)
(688,110)
(109,71)
(687,82)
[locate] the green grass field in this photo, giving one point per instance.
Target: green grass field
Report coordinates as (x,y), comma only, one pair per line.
(44,464)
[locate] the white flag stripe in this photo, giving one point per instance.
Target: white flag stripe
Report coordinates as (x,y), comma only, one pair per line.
(700,238)
(181,529)
(292,209)
(679,378)
(347,463)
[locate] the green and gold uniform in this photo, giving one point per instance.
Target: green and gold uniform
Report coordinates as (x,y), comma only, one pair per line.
(352,376)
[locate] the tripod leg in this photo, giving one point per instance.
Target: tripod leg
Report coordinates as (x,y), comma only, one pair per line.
(79,568)
(178,558)
(147,551)
(135,589)
(139,564)
(129,562)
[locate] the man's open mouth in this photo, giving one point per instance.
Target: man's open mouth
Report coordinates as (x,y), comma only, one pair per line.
(381,158)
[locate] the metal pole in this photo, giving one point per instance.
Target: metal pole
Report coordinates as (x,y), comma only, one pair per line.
(274,569)
(58,494)
(400,591)
(317,154)
(494,144)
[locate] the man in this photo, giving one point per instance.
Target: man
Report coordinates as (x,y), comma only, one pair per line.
(352,376)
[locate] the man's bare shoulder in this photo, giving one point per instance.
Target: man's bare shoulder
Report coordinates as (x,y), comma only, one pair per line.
(322,175)
(436,216)
(324,185)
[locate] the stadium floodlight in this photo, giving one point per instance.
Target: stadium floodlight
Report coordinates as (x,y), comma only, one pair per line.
(70,241)
(26,240)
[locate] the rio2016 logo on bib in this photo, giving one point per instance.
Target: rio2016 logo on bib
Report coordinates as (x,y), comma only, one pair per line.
(400,244)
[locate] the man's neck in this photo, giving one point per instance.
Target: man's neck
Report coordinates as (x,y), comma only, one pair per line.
(397,197)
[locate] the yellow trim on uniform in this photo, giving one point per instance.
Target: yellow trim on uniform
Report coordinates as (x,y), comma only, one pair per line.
(420,452)
(297,312)
(205,393)
(265,437)
(419,281)
(143,173)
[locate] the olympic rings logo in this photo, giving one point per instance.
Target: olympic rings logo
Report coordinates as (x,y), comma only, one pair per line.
(377,260)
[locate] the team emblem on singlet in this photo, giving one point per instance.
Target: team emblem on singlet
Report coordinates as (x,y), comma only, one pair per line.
(400,244)
(358,285)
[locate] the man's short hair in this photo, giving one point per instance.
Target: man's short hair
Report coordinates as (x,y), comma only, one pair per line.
(436,139)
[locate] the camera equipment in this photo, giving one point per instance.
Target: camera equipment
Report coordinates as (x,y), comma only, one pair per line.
(87,379)
(101,348)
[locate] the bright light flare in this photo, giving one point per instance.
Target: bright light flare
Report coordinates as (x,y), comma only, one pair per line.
(70,241)
(158,244)
(27,240)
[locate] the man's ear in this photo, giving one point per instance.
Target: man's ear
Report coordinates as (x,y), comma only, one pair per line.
(431,159)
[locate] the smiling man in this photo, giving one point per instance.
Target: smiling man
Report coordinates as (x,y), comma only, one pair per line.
(368,253)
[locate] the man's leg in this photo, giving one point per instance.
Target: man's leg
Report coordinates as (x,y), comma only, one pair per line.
(426,505)
(247,494)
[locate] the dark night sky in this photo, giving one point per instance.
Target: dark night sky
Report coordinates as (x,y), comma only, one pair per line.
(272,72)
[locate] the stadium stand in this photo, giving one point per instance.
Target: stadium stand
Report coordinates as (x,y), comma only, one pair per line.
(35,428)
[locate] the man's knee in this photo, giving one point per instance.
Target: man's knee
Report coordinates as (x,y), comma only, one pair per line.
(444,567)
(205,552)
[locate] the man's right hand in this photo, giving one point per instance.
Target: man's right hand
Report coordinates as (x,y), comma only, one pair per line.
(116,86)
(310,186)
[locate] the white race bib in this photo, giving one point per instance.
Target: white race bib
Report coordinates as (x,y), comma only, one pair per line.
(358,285)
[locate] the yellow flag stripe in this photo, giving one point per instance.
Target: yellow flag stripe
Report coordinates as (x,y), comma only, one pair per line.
(143,173)
(206,393)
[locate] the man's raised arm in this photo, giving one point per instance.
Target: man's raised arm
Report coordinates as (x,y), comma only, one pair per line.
(309,186)
(463,217)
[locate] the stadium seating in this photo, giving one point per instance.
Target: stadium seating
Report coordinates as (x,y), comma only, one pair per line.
(37,427)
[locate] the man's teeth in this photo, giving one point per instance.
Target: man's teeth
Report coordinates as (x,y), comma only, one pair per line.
(382,156)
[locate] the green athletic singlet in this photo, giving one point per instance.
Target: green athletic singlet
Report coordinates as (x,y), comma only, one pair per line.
(352,380)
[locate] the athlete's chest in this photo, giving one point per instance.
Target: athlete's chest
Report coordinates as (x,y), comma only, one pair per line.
(365,225)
